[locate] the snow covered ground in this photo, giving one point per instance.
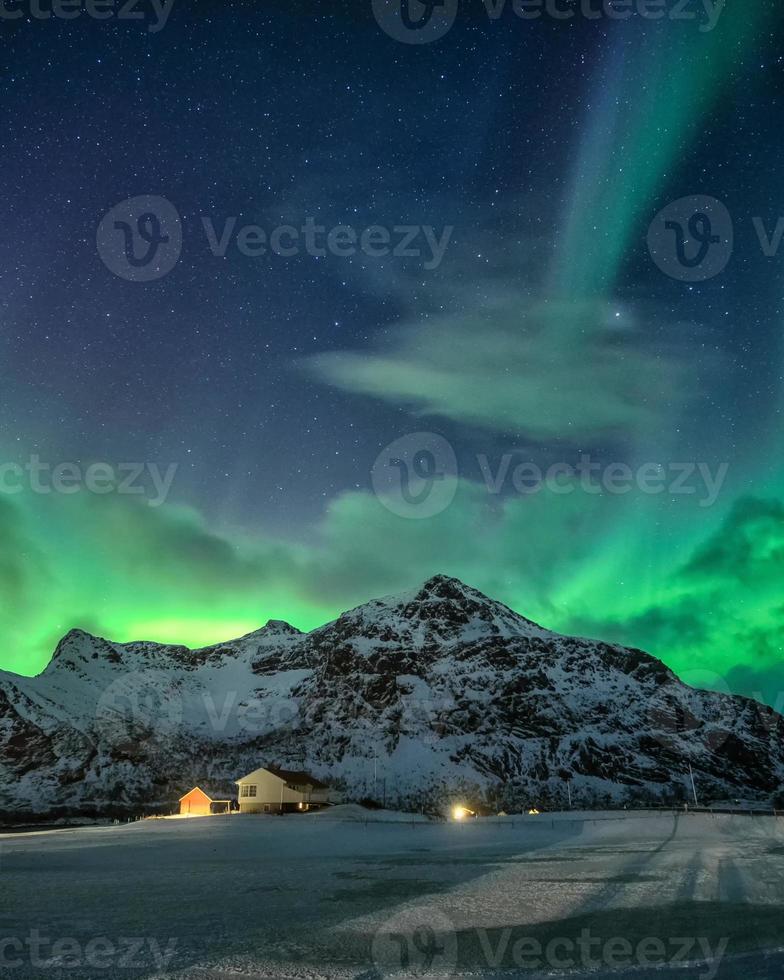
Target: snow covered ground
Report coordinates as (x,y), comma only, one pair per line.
(631,896)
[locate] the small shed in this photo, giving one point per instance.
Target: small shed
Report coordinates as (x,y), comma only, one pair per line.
(198,803)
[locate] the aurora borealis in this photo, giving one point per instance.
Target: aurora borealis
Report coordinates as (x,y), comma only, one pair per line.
(274,383)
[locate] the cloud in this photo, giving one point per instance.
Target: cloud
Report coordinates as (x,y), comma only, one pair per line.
(18,559)
(722,609)
(676,625)
(131,572)
(748,548)
(25,581)
(157,545)
(506,548)
(570,372)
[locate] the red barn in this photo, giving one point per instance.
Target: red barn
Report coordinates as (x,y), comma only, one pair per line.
(197,803)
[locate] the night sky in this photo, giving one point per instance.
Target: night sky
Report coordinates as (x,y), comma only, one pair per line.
(274,383)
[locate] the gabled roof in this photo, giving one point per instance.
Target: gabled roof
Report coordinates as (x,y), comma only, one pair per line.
(212,797)
(295,777)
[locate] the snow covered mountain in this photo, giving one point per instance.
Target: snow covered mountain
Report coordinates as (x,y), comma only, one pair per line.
(416,697)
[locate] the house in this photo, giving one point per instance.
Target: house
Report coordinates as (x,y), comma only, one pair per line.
(274,790)
(198,803)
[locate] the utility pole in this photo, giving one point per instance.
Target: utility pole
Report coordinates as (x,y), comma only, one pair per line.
(693,788)
(569,792)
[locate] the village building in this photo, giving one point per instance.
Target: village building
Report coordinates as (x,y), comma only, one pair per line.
(274,790)
(199,803)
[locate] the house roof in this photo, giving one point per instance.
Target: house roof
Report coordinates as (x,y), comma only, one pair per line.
(295,777)
(212,797)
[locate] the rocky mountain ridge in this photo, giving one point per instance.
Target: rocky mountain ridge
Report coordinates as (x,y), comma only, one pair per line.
(417,698)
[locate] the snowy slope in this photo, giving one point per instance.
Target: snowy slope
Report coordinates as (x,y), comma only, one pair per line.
(411,697)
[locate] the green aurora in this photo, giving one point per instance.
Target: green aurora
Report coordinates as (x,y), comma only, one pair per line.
(711,607)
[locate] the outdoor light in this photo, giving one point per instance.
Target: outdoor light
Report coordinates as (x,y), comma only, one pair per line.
(459,813)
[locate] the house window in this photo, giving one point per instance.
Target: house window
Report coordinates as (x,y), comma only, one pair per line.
(246,791)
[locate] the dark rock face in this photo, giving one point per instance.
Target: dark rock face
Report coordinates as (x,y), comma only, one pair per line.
(416,697)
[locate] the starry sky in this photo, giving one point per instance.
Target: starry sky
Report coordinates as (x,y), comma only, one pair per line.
(274,383)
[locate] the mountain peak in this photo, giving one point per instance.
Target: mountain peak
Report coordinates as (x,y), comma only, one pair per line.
(440,582)
(442,610)
(279,627)
(76,639)
(77,635)
(274,631)
(443,597)
(77,647)
(449,587)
